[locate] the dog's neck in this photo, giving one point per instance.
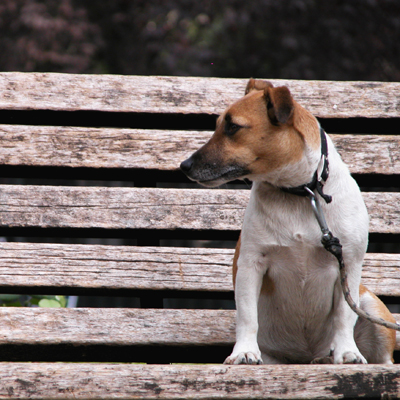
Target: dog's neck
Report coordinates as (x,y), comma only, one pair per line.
(294,174)
(319,178)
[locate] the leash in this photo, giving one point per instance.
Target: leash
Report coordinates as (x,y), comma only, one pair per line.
(330,242)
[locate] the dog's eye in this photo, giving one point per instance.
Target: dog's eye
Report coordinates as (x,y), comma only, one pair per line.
(231,128)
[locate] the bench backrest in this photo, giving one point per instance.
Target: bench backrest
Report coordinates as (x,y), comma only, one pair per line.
(92,204)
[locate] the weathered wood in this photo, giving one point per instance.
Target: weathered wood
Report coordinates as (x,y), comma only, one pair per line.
(101,207)
(159,149)
(26,265)
(369,154)
(139,208)
(119,326)
(28,91)
(35,265)
(115,267)
(110,381)
(96,148)
(116,326)
(382,268)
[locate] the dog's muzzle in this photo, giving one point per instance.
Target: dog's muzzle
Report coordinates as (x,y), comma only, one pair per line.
(213,173)
(187,165)
(199,170)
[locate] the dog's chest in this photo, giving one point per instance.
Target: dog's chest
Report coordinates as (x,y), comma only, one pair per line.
(274,219)
(286,244)
(297,302)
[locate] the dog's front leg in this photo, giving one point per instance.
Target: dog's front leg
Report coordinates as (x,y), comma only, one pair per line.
(247,291)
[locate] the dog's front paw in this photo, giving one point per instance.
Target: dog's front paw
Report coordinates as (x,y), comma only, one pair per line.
(346,352)
(353,358)
(244,358)
(349,357)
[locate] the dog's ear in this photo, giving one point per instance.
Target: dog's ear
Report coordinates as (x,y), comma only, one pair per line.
(256,84)
(280,105)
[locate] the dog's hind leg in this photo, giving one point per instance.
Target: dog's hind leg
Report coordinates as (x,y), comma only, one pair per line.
(375,342)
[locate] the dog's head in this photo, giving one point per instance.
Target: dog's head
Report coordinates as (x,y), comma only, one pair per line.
(256,136)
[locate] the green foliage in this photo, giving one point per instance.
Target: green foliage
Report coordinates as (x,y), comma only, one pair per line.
(17,300)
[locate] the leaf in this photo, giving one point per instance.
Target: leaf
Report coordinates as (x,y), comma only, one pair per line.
(62,300)
(49,303)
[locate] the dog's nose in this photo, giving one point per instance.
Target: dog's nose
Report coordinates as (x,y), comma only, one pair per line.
(187,165)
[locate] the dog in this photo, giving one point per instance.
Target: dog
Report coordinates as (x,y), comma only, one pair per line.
(289,301)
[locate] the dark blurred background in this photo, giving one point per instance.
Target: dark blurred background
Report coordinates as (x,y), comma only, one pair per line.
(291,39)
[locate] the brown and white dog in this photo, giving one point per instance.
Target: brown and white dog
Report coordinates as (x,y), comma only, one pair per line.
(290,306)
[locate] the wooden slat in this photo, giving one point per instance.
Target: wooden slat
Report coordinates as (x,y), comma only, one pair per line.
(381,273)
(120,208)
(159,149)
(119,326)
(38,265)
(369,154)
(115,267)
(186,94)
(112,381)
(113,326)
(101,207)
(96,148)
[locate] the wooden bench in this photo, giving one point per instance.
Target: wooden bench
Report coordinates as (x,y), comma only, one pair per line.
(92,204)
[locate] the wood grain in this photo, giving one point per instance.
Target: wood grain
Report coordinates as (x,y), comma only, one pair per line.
(24,265)
(382,268)
(115,267)
(188,95)
(159,149)
(35,265)
(369,154)
(110,381)
(150,208)
(116,326)
(119,326)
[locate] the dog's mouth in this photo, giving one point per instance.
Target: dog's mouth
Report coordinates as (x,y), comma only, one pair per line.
(210,176)
(212,172)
